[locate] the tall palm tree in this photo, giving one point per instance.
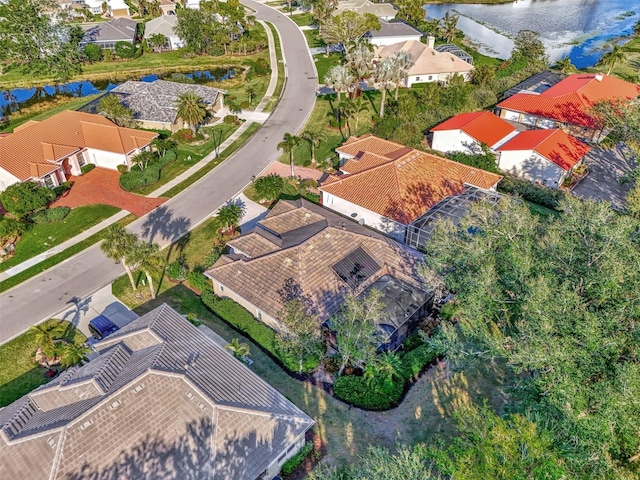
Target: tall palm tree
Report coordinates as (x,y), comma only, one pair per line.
(72,354)
(118,245)
(287,145)
(230,215)
(46,336)
(448,27)
(360,61)
(239,350)
(314,137)
(148,259)
(402,61)
(383,77)
(339,78)
(348,110)
(565,65)
(191,109)
(613,57)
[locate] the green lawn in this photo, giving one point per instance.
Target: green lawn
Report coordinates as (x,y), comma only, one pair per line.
(324,64)
(271,104)
(302,19)
(43,236)
(18,376)
(313,38)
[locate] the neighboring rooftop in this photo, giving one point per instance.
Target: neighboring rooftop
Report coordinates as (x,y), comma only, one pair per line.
(426,60)
(117,30)
(537,83)
(382,10)
(161,401)
(396,28)
(30,150)
(327,256)
(164,25)
(555,145)
(571,100)
(404,187)
(483,126)
(455,50)
(156,101)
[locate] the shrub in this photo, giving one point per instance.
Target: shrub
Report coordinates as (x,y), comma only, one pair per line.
(139,178)
(177,271)
(186,136)
(24,198)
(168,157)
(533,193)
(60,189)
(51,215)
(87,167)
(357,391)
(295,461)
(230,119)
(414,362)
(123,168)
(198,281)
(125,50)
(10,227)
(92,52)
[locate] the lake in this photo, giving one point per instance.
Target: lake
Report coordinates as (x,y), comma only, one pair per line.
(575,28)
(12,100)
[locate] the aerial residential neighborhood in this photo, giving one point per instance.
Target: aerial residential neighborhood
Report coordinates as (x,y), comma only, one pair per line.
(332,239)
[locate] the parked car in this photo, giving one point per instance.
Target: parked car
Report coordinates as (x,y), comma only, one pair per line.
(101,327)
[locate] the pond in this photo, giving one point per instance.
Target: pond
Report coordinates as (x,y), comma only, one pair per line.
(575,28)
(12,100)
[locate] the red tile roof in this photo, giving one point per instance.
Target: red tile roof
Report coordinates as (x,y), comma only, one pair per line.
(406,187)
(34,146)
(485,127)
(555,145)
(570,101)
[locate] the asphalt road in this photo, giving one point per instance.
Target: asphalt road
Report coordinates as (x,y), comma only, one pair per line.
(49,293)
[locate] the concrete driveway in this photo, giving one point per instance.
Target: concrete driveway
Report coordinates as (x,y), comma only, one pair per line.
(606,169)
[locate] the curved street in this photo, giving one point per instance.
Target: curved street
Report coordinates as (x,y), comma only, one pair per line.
(50,292)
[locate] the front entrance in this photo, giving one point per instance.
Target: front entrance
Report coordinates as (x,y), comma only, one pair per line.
(66,168)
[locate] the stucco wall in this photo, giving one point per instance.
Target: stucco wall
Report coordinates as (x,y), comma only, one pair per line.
(588,134)
(435,77)
(454,141)
(531,166)
(6,179)
(384,41)
(372,219)
(105,159)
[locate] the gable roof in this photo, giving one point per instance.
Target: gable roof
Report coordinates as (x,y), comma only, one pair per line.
(156,101)
(484,126)
(162,399)
(405,186)
(366,6)
(37,144)
(310,258)
(164,25)
(393,29)
(571,99)
(426,60)
(555,145)
(117,30)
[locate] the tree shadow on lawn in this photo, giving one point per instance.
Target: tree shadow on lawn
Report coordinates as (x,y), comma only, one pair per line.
(21,385)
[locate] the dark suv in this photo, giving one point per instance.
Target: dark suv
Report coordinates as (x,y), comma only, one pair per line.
(101,327)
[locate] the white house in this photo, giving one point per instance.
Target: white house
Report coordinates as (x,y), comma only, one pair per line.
(164,25)
(392,32)
(50,151)
(467,131)
(429,65)
(115,8)
(542,156)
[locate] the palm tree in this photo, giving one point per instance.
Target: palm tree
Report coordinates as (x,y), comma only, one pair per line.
(147,257)
(338,78)
(314,137)
(230,215)
(358,106)
(348,110)
(360,61)
(239,350)
(287,145)
(483,75)
(46,336)
(382,77)
(384,370)
(402,61)
(269,187)
(565,65)
(612,57)
(72,354)
(251,93)
(118,245)
(448,27)
(191,109)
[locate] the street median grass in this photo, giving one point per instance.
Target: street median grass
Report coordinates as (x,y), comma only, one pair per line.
(281,71)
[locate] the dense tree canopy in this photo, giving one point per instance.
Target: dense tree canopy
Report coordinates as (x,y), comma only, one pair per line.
(347,27)
(24,198)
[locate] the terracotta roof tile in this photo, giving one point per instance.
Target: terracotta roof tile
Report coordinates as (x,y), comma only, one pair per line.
(252,245)
(555,145)
(369,143)
(485,127)
(571,100)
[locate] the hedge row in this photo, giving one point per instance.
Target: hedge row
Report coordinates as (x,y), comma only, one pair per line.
(294,462)
(533,193)
(137,178)
(243,321)
(50,215)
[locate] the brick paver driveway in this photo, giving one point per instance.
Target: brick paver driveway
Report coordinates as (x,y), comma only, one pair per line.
(101,186)
(606,169)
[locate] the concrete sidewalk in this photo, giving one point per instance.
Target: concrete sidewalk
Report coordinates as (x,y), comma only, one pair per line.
(169,185)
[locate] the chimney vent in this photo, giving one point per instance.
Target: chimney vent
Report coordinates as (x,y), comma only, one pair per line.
(431,41)
(599,77)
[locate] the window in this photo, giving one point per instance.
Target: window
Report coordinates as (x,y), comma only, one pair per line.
(430,77)
(259,315)
(221,288)
(80,159)
(49,182)
(417,79)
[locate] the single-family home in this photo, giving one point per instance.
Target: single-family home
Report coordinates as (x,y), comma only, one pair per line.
(154,103)
(50,151)
(568,104)
(168,7)
(325,256)
(165,25)
(107,34)
(392,32)
(161,400)
(466,132)
(542,156)
(192,4)
(115,8)
(390,187)
(429,64)
(382,10)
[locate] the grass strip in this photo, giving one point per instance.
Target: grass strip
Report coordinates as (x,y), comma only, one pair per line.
(275,98)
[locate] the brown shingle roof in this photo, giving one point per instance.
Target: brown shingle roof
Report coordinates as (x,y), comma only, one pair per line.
(40,143)
(309,263)
(406,187)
